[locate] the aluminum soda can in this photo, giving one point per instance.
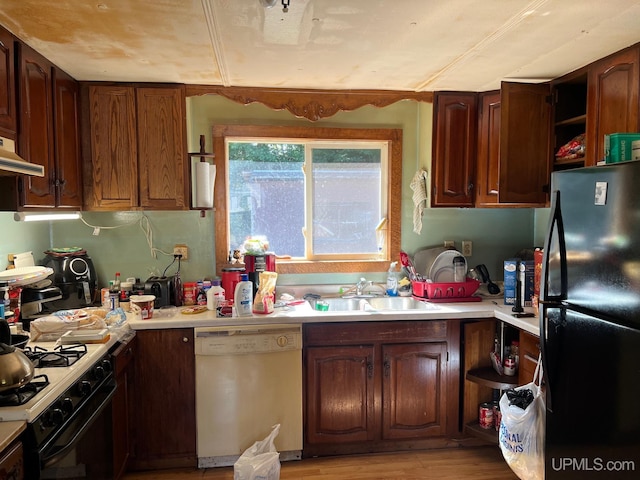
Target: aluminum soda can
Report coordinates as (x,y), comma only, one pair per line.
(485,415)
(497,415)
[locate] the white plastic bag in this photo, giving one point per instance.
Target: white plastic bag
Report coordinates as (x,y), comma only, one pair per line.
(260,461)
(521,436)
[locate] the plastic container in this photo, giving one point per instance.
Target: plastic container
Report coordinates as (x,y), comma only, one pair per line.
(144,303)
(392,280)
(459,269)
(215,295)
(243,296)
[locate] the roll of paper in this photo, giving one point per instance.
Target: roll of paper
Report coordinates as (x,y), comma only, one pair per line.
(205,180)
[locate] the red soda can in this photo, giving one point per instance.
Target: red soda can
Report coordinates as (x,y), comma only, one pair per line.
(485,415)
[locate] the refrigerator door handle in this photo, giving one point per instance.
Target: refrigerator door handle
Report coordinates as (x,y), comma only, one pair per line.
(555,230)
(544,357)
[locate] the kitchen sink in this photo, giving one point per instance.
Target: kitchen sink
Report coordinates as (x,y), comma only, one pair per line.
(399,303)
(374,304)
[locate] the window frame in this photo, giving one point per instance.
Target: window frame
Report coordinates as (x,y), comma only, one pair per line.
(268,133)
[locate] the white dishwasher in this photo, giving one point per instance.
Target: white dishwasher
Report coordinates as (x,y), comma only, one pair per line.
(248,378)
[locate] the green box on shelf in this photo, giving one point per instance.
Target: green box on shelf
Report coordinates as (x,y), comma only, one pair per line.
(618,147)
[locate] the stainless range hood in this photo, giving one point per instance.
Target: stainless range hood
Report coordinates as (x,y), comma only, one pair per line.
(12,164)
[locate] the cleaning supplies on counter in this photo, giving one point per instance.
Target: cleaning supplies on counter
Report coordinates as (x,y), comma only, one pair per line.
(392,280)
(243,296)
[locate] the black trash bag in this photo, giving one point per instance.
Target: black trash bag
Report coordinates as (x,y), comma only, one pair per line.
(520,398)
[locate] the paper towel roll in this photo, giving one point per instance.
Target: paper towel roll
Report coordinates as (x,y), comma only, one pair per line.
(205,180)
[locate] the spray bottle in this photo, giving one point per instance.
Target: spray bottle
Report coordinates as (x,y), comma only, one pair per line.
(392,280)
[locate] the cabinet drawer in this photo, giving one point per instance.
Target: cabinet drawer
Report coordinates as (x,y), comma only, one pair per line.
(356,333)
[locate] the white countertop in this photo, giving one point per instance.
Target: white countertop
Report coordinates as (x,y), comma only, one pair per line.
(60,379)
(438,311)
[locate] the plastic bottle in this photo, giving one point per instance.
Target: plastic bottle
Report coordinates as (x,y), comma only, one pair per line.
(215,295)
(392,280)
(243,296)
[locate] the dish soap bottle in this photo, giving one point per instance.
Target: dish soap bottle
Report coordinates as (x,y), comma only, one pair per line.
(392,280)
(243,296)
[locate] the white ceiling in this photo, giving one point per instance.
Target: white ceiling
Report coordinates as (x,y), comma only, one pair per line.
(416,45)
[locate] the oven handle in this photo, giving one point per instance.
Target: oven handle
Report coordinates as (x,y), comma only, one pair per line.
(59,453)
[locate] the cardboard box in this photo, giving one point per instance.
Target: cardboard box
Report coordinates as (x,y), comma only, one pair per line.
(618,147)
(635,150)
(510,278)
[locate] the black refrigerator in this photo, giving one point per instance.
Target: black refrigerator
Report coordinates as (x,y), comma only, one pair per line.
(590,324)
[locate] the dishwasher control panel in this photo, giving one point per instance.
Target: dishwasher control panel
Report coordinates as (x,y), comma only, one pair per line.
(241,340)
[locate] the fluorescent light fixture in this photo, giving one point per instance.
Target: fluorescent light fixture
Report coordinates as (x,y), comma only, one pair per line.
(41,217)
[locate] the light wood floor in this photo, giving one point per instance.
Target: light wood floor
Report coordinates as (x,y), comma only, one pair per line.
(481,463)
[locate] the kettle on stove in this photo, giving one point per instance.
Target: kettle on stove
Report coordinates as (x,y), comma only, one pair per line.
(16,369)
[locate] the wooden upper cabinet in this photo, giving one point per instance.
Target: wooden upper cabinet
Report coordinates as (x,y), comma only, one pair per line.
(162,154)
(138,149)
(488,166)
(36,139)
(612,99)
(454,149)
(8,116)
(525,129)
(68,165)
(112,181)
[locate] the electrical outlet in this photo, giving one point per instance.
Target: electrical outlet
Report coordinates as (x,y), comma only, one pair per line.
(181,249)
(467,248)
(449,244)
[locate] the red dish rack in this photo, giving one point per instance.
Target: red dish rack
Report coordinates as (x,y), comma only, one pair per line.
(447,292)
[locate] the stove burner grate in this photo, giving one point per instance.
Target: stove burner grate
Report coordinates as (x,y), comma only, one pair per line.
(21,395)
(60,356)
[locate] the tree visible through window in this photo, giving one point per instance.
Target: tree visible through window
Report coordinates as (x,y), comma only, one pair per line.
(316,199)
(317,194)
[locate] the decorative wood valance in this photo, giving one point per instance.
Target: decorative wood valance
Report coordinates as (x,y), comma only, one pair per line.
(310,104)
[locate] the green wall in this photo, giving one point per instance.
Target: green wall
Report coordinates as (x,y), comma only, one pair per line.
(496,233)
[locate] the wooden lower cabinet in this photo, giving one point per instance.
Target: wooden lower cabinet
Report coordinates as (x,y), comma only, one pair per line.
(164,424)
(12,462)
(377,386)
(529,351)
(123,407)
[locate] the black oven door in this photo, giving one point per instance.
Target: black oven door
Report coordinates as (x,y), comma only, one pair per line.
(83,448)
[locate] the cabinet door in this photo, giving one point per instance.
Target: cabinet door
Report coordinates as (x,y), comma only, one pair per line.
(67,146)
(162,149)
(112,179)
(488,167)
(454,149)
(36,127)
(164,424)
(414,390)
(529,351)
(122,406)
(7,85)
(340,394)
(524,143)
(612,100)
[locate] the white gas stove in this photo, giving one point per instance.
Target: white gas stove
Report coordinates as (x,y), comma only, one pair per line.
(69,399)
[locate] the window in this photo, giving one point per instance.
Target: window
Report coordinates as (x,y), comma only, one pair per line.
(325,198)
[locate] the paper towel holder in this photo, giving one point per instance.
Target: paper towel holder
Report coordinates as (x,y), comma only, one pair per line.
(197,183)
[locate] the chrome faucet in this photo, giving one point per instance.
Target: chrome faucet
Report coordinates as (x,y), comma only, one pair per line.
(362,285)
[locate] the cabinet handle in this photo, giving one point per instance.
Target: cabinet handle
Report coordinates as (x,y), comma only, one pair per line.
(185,339)
(369,367)
(387,366)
